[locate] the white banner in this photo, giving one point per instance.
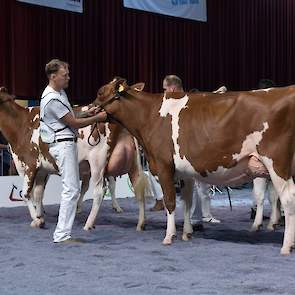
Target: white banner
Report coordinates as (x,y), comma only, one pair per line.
(191,9)
(71,5)
(54,188)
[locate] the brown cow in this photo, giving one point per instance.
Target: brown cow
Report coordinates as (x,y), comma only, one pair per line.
(211,138)
(114,155)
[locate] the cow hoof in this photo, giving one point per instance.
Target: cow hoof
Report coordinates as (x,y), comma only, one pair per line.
(186,236)
(271,227)
(38,223)
(168,240)
(88,228)
(42,222)
(255,228)
(118,209)
(140,227)
(285,251)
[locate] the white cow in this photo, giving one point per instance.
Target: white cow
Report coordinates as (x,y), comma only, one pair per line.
(116,153)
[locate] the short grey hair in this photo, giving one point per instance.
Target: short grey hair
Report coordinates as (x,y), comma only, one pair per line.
(54,65)
(173,80)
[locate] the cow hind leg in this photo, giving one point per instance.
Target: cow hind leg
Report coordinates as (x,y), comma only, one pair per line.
(84,189)
(27,193)
(98,193)
(32,209)
(38,193)
(288,202)
(275,208)
(286,191)
(186,197)
(259,188)
(140,183)
(112,189)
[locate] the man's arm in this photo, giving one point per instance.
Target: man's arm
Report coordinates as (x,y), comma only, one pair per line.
(77,123)
(87,113)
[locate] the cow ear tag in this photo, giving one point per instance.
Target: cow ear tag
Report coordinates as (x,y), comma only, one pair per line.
(121,88)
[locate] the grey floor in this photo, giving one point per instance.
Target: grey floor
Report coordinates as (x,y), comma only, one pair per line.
(223,259)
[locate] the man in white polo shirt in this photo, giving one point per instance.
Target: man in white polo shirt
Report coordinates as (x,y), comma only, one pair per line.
(58,128)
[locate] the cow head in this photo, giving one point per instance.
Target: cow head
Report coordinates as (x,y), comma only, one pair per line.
(3,89)
(110,90)
(113,91)
(4,96)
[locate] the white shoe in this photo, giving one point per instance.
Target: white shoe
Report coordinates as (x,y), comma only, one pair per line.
(210,220)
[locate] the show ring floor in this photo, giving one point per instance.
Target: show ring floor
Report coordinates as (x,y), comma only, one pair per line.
(223,259)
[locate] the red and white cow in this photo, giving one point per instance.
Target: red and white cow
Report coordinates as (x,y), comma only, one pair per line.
(116,154)
(211,138)
(260,188)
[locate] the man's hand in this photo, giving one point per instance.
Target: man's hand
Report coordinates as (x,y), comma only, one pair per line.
(92,111)
(101,116)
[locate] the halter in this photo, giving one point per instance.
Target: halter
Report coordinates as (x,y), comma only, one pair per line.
(111,99)
(4,101)
(101,107)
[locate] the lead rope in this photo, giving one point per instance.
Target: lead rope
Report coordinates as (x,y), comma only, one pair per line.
(229,198)
(94,126)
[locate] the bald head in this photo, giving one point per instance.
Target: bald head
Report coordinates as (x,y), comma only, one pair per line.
(172,83)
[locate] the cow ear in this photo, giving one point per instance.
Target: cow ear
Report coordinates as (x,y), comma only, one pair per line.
(120,84)
(121,88)
(138,86)
(3,89)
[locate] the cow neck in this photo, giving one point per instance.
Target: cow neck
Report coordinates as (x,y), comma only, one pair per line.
(13,122)
(133,112)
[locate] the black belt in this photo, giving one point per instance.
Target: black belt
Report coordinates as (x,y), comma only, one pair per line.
(66,139)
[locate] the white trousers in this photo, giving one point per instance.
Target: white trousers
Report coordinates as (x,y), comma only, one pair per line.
(66,156)
(155,186)
(201,201)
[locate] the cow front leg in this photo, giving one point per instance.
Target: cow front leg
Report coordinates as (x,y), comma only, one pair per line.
(171,228)
(259,188)
(186,197)
(167,184)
